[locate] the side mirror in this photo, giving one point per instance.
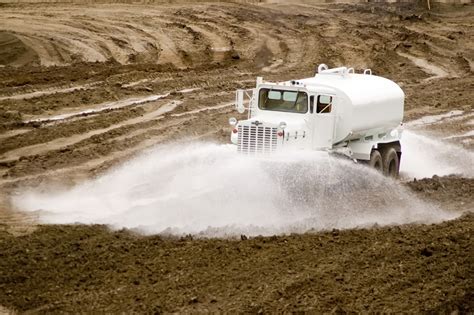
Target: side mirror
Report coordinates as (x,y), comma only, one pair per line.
(239,101)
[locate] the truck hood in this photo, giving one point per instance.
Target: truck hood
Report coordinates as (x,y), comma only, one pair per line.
(292,123)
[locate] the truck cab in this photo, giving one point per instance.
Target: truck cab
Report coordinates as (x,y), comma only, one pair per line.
(286,116)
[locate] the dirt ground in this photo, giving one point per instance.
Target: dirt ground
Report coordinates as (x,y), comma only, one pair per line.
(86,87)
(407,268)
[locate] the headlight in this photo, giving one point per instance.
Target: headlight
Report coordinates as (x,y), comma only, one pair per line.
(232,121)
(282,125)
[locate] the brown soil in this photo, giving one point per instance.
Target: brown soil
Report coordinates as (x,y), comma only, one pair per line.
(88,268)
(452,192)
(14,52)
(63,58)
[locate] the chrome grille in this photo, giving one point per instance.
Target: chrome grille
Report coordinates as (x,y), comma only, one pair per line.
(256,139)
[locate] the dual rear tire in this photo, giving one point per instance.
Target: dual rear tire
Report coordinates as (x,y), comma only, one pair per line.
(376,161)
(386,161)
(391,162)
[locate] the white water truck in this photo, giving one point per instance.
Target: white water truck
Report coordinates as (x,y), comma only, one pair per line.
(337,110)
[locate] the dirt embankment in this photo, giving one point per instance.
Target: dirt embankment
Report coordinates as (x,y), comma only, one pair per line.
(171,73)
(212,49)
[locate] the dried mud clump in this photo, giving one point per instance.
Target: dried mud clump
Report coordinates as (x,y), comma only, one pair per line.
(453,192)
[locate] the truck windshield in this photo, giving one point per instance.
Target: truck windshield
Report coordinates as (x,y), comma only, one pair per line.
(283,101)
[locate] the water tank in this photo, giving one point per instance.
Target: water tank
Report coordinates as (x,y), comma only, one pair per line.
(363,103)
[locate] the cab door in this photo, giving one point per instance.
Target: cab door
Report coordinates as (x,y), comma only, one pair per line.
(324,119)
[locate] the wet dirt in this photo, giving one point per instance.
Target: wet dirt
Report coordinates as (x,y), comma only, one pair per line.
(88,268)
(48,52)
(452,192)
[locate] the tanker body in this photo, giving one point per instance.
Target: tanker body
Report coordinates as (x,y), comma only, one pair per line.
(337,110)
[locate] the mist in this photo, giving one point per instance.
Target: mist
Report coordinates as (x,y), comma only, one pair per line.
(209,190)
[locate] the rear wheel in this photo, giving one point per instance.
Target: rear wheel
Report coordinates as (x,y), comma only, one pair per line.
(391,162)
(375,161)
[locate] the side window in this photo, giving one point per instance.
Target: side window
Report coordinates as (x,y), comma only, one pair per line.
(324,104)
(311,104)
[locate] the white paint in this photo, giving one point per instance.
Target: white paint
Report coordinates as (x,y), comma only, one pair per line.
(210,190)
(364,105)
(362,91)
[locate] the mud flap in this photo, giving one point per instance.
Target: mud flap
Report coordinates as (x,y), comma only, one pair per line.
(360,150)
